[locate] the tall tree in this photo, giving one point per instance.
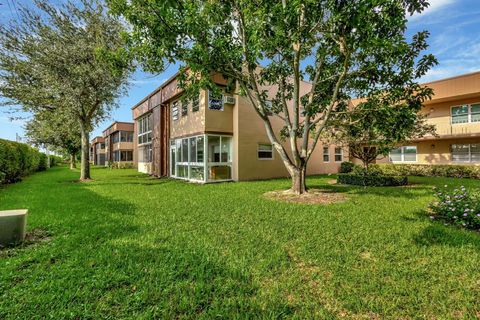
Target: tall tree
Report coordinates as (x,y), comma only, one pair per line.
(345,48)
(49,129)
(60,59)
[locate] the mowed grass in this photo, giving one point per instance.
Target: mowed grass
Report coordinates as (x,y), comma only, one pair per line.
(129,246)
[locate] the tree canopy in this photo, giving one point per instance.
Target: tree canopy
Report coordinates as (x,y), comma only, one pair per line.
(59,58)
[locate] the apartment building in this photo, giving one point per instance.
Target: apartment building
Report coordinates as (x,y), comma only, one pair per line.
(455,111)
(212,138)
(97,151)
(119,143)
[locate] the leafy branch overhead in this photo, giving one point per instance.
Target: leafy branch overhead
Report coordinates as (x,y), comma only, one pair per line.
(60,58)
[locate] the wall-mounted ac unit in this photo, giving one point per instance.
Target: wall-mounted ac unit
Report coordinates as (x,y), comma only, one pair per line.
(228,99)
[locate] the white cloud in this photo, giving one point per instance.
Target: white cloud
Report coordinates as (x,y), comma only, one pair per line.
(435,5)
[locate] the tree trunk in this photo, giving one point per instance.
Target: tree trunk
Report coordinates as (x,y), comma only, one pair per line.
(85,163)
(73,161)
(298,180)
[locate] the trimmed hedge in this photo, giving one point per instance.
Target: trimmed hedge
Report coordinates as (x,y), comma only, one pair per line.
(18,160)
(371,180)
(438,170)
(346,167)
(55,160)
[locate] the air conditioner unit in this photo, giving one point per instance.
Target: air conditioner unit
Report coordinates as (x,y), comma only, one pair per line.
(229,99)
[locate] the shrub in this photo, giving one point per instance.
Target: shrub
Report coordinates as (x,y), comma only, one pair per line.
(55,160)
(373,180)
(458,206)
(43,162)
(122,165)
(346,167)
(18,160)
(453,171)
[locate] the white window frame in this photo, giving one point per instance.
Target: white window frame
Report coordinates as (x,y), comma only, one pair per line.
(175,111)
(258,151)
(338,154)
(148,119)
(326,154)
(469,113)
(196,102)
(205,164)
(402,155)
(184,108)
(469,152)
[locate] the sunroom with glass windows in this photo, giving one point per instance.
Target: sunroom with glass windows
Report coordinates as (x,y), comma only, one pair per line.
(202,158)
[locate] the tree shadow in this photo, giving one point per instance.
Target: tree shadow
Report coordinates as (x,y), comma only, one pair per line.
(437,233)
(408,191)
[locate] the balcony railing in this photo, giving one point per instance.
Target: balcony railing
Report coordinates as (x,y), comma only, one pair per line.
(444,127)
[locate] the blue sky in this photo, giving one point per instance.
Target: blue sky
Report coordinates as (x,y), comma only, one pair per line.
(455,41)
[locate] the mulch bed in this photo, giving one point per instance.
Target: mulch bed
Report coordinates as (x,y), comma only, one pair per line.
(32,238)
(313,196)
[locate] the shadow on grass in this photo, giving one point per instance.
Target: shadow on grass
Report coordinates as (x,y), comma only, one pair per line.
(191,282)
(390,192)
(438,234)
(70,211)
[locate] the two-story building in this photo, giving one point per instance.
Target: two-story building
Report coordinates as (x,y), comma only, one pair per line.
(455,111)
(212,138)
(119,143)
(97,151)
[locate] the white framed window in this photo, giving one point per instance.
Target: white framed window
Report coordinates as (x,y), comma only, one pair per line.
(126,136)
(265,152)
(404,154)
(204,158)
(196,104)
(467,113)
(338,154)
(144,125)
(466,152)
(326,154)
(184,108)
(175,110)
(215,102)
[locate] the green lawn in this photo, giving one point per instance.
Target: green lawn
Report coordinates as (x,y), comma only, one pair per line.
(129,246)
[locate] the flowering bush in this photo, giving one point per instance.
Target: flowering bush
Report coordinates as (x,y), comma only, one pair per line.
(458,206)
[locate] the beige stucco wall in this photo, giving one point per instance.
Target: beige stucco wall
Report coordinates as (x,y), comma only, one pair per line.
(439,114)
(436,151)
(249,132)
(192,123)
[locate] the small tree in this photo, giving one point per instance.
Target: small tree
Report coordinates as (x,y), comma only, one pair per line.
(59,59)
(377,125)
(49,129)
(344,48)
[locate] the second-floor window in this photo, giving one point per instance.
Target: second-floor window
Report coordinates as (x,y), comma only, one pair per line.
(195,104)
(184,108)
(215,102)
(175,110)
(116,137)
(145,129)
(126,136)
(467,113)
